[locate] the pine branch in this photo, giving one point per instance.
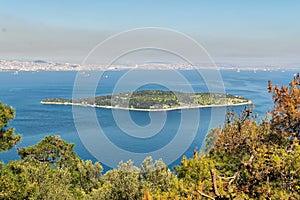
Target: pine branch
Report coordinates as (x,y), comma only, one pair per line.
(205,195)
(214,180)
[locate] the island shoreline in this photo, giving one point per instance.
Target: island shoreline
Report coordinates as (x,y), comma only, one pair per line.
(249,102)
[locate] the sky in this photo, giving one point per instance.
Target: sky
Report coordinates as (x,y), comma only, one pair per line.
(232,31)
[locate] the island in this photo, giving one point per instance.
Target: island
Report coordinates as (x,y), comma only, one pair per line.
(154,100)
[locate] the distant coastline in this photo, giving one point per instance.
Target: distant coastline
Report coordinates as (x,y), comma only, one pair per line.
(41,65)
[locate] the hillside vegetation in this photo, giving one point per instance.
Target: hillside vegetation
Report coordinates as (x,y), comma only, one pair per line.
(153,99)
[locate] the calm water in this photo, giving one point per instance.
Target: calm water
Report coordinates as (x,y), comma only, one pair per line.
(34,121)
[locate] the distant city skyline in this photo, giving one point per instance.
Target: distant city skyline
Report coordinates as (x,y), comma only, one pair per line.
(238,32)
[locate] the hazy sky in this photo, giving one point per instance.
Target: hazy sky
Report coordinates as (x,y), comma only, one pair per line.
(234,31)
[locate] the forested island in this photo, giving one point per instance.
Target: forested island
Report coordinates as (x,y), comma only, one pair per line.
(154,100)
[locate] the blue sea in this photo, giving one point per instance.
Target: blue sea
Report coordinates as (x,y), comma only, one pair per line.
(34,121)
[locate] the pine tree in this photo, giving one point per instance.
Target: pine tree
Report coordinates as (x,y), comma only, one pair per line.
(8,139)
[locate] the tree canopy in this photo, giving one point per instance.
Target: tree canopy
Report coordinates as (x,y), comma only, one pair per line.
(7,135)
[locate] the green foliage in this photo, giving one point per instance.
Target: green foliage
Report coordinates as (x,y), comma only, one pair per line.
(51,149)
(15,183)
(32,180)
(57,100)
(49,170)
(196,175)
(153,99)
(156,177)
(87,175)
(7,136)
(120,184)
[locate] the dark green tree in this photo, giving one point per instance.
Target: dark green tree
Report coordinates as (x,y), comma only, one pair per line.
(15,182)
(61,155)
(53,150)
(7,135)
(35,180)
(120,184)
(155,176)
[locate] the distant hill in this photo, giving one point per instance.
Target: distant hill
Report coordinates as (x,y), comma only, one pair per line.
(40,61)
